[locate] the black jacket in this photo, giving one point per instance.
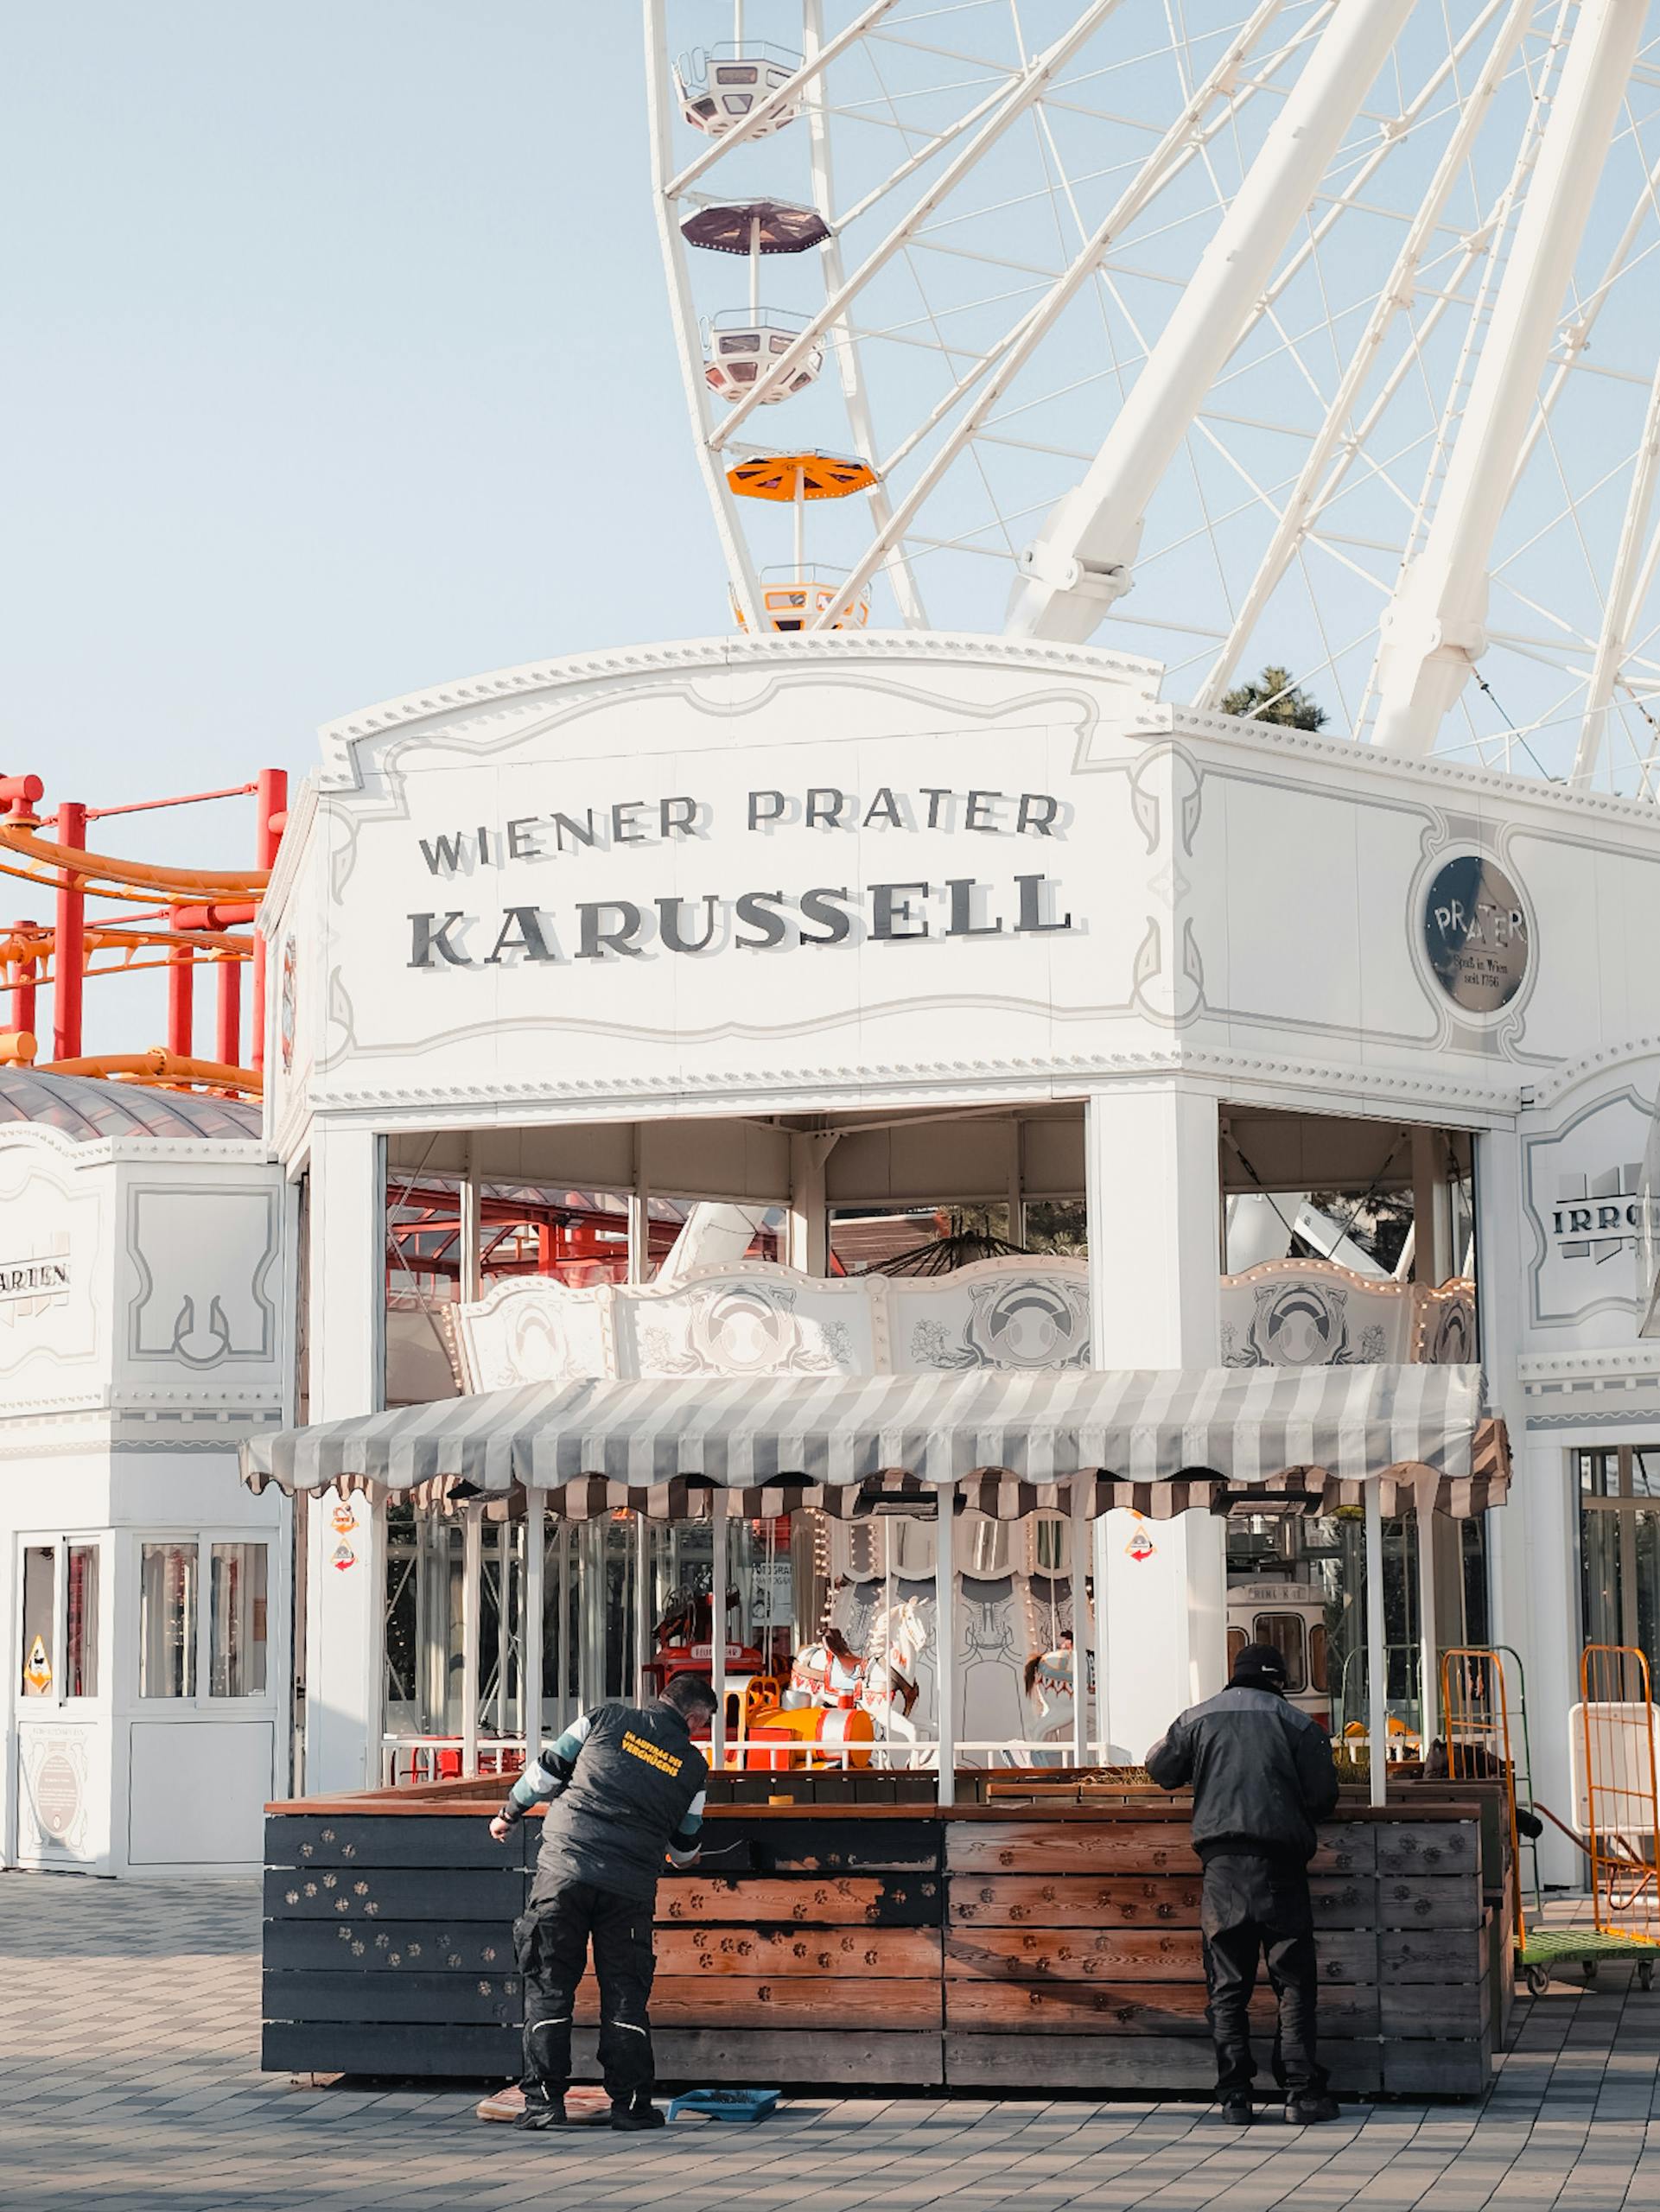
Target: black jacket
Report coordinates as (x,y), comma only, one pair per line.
(625,1785)
(1261,1771)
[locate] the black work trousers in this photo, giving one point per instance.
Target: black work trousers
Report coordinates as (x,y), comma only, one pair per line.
(550,1941)
(1257,1907)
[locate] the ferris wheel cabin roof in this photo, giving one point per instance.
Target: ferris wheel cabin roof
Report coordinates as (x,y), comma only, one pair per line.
(756,227)
(91,1111)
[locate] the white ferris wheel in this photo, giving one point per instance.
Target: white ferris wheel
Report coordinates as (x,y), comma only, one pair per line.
(1316,335)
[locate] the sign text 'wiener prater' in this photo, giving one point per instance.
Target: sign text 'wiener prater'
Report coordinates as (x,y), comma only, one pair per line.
(917,903)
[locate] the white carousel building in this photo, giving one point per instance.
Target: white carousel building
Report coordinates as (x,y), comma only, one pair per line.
(1301,1079)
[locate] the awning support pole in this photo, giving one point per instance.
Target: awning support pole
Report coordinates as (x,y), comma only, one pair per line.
(1077,1557)
(530,1632)
(717,1631)
(504,1626)
(1102,1716)
(1376,1652)
(643,1608)
(472,1558)
(945,1641)
(1429,1666)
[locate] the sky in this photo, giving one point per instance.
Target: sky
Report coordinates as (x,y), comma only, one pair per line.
(336,363)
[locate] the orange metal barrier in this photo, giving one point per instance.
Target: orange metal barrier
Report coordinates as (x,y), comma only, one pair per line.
(1476,1710)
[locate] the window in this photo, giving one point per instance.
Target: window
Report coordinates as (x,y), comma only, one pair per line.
(1619,1546)
(167,1620)
(236,1665)
(81,1623)
(39,1642)
(1285,1632)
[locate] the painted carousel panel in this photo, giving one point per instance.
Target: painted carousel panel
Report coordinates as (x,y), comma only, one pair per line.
(897,1954)
(396,1946)
(895,1901)
(1075,1901)
(371,1840)
(437,1894)
(440,1999)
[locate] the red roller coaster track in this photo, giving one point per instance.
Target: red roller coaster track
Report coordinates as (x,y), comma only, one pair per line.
(190,918)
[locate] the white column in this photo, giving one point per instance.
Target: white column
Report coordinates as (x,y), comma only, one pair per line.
(530,1633)
(1434,629)
(1078,1555)
(1154,1217)
(472,1572)
(807,1237)
(346,1306)
(945,1641)
(1376,1651)
(717,1631)
(1428,1640)
(639,1225)
(503,1624)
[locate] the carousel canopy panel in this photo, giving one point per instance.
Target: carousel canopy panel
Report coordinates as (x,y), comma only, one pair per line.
(1163,1441)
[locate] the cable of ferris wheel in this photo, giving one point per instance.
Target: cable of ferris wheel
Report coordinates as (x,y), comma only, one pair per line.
(1627,588)
(1027,88)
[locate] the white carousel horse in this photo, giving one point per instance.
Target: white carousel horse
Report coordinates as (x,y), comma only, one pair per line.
(828,1673)
(1050,1677)
(897,1637)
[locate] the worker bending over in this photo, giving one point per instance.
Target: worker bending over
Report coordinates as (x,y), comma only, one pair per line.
(626,1786)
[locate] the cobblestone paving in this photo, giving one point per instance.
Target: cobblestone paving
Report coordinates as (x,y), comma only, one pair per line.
(129,2048)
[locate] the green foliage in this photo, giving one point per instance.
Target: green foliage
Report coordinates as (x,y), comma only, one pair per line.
(1275,698)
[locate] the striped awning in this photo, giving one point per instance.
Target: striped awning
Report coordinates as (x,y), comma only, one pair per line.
(1162,1440)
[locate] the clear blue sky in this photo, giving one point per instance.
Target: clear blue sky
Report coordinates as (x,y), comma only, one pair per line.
(336,362)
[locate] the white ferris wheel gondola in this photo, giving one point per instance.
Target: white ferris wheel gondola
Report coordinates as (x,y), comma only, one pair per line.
(1309,333)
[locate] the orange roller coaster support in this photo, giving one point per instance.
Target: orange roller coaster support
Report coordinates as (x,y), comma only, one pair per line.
(160,1066)
(69,956)
(270,803)
(69,855)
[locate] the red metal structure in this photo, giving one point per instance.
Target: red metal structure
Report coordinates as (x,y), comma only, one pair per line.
(190,918)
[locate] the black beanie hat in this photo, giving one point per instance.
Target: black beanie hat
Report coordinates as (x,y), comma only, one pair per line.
(1260,1666)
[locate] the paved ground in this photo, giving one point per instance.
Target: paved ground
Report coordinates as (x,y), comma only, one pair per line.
(128,2049)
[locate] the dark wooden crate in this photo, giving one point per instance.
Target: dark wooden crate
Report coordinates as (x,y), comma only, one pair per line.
(440,1998)
(1075,1900)
(868,1900)
(440,1894)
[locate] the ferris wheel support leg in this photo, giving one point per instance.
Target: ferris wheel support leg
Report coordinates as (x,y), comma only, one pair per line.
(1434,631)
(1083,561)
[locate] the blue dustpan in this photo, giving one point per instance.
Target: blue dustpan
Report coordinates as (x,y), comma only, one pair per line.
(725,2104)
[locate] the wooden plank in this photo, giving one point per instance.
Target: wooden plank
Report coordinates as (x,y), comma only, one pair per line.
(1344,1900)
(437,1894)
(809,2001)
(1039,1847)
(1075,1901)
(1432,1901)
(1457,1955)
(1443,2070)
(725,2056)
(890,1901)
(863,1846)
(1416,2009)
(1128,2064)
(389,1947)
(1128,2008)
(1429,1847)
(890,1954)
(384,2049)
(1347,1847)
(370,1840)
(446,2000)
(1073,1954)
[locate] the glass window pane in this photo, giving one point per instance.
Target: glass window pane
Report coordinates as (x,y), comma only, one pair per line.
(1599,1576)
(167,1620)
(236,1663)
(1645,1473)
(80,1629)
(40,1645)
(1285,1632)
(1317,1678)
(1599,1473)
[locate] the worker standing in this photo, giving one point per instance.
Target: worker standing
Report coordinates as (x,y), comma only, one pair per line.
(1262,1776)
(626,1787)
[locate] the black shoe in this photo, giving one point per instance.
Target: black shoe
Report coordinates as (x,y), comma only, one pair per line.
(1236,2111)
(1308,2112)
(540,2113)
(642,2112)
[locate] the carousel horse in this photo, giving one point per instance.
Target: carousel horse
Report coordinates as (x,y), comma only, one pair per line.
(1049,1679)
(690,1619)
(898,1636)
(828,1673)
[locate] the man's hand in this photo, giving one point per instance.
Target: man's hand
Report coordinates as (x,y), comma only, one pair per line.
(501,1829)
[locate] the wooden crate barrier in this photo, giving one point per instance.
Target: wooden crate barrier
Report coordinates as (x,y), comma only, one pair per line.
(1021,1947)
